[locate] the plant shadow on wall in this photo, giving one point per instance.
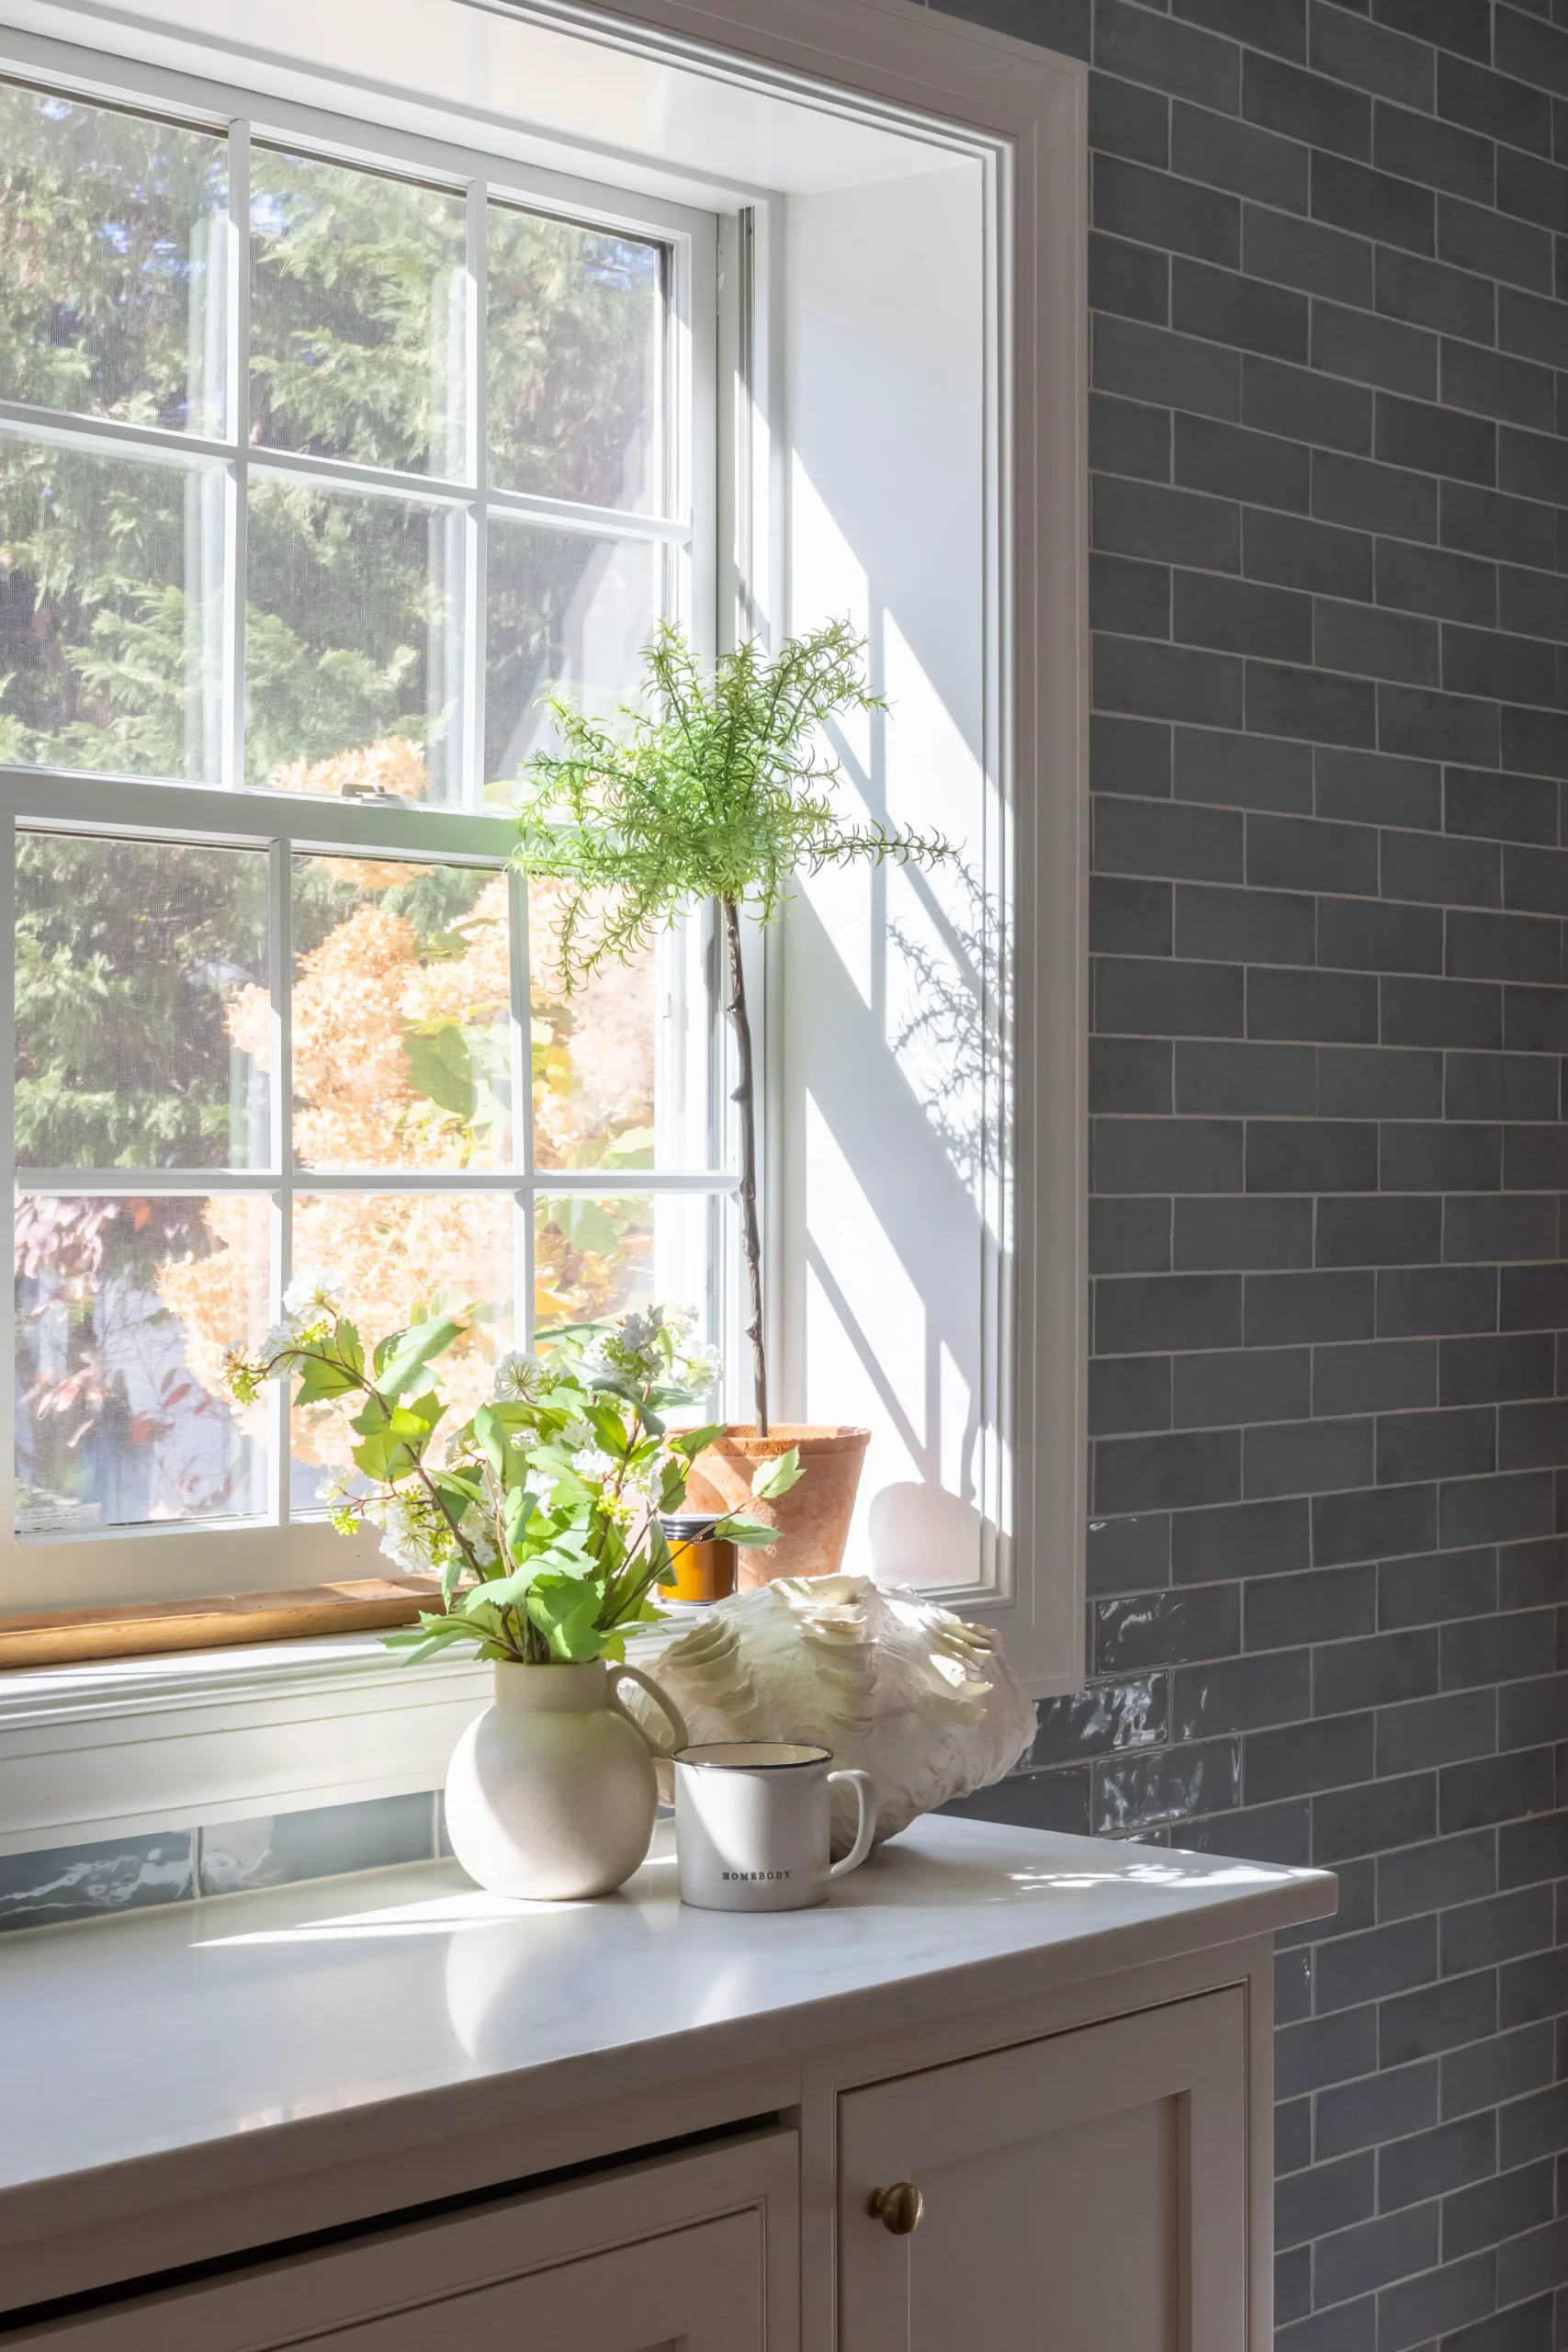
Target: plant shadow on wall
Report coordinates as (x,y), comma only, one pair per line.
(944,989)
(897,1167)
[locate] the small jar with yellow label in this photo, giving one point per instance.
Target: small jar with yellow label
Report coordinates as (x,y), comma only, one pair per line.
(702,1563)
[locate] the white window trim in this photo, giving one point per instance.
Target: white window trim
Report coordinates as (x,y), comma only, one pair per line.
(880,63)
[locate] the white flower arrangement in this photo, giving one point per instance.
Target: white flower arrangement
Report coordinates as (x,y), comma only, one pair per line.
(541,1514)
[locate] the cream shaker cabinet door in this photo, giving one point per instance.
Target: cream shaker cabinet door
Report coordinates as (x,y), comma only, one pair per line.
(1085,2193)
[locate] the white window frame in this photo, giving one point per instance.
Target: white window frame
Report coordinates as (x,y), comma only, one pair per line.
(169,1559)
(161,1741)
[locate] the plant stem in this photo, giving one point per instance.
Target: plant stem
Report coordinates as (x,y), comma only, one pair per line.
(746,1102)
(368,1387)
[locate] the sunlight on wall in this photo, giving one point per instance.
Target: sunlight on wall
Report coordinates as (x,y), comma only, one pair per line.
(874,1297)
(892,1139)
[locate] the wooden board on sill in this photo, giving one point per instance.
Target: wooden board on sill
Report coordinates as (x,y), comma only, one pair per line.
(147,1629)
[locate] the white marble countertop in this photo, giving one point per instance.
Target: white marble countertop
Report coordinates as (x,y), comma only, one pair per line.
(173,2053)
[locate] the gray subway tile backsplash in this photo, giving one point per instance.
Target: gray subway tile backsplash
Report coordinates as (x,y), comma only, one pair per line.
(109,1877)
(277,1849)
(100,1879)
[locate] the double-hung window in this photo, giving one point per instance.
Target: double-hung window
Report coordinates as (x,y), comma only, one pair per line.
(326,455)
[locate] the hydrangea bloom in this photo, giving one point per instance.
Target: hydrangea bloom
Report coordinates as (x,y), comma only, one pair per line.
(631,1352)
(415,1535)
(313,1289)
(697,1367)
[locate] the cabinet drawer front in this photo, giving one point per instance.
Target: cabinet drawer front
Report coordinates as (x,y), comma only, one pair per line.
(1088,2192)
(690,2253)
(695,2290)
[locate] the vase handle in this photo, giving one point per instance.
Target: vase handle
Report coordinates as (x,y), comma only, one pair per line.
(661,1699)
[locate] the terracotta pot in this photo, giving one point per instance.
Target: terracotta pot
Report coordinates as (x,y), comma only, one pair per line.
(813,1518)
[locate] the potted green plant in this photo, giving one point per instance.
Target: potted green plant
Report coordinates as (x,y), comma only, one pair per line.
(540,1517)
(719,786)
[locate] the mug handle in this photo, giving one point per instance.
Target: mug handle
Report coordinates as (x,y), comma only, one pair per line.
(661,1699)
(865,1828)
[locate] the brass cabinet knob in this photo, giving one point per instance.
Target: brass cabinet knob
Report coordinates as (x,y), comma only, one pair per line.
(899,2209)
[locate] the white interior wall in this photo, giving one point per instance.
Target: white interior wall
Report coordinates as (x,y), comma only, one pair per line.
(888,1110)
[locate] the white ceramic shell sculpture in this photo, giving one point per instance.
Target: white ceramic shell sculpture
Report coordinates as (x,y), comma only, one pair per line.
(923,1701)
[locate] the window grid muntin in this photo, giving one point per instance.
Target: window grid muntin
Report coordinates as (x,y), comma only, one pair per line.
(285,1177)
(675,528)
(471,497)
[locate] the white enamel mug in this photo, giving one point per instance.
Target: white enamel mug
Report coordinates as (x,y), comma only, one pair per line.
(753,1825)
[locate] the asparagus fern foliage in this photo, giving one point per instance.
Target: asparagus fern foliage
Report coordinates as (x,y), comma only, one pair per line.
(717,786)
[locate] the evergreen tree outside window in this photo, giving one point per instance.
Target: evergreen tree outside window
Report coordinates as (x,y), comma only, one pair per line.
(317,476)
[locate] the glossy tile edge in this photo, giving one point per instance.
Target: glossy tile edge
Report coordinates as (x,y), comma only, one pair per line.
(105,1878)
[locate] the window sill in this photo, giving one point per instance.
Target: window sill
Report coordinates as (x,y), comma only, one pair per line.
(83,1638)
(118,1746)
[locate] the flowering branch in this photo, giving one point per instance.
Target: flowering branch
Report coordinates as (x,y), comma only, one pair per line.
(543,1521)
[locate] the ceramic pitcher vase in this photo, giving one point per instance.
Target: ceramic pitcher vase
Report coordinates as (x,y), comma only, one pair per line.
(551,1794)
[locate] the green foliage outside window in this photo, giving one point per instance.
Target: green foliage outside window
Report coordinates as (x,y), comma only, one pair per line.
(114,306)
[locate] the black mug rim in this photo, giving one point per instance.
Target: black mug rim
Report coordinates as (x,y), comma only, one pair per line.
(700,1755)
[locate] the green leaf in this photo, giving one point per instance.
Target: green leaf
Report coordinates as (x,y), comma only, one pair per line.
(322,1378)
(444,946)
(446,1299)
(671,1485)
(491,1436)
(455,1492)
(432,1635)
(633,1148)
(585,1225)
(512,1416)
(609,1429)
(414,1421)
(772,1479)
(658,1555)
(394,1437)
(479,1608)
(745,1531)
(691,1443)
(440,1066)
(376,1456)
(566,1609)
(399,1366)
(517,1508)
